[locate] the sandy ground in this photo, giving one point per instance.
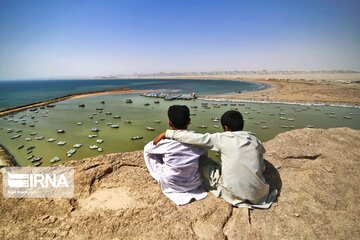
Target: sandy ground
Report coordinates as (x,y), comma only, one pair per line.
(302,91)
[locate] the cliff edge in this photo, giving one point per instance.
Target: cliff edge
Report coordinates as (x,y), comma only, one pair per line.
(315,170)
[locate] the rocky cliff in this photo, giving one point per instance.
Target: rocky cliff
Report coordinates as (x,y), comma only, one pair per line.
(315,170)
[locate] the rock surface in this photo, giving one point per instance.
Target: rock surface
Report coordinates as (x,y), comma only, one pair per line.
(316,171)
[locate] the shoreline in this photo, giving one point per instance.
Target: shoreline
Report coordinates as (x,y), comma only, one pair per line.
(67,97)
(277,91)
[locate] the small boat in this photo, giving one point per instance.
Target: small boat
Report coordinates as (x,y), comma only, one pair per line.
(100,149)
(114,126)
(157,121)
(202,126)
(36,159)
(310,126)
(108,113)
(99,109)
(91,117)
(192,114)
(102,102)
(33,134)
(60,131)
(51,105)
(30,157)
(282,113)
(78,145)
(348,117)
(81,105)
(256,123)
(79,123)
(37,164)
(20,147)
(127,121)
(16,136)
(128,101)
(28,139)
(136,137)
(31,125)
(30,148)
(216,126)
(147,104)
(9,130)
(29,152)
(102,119)
(94,114)
(264,127)
(95,130)
(55,159)
(92,147)
(51,139)
(157,102)
(282,118)
(291,119)
(284,126)
(117,117)
(150,128)
(108,124)
(39,137)
(71,152)
(193,106)
(215,119)
(99,141)
(96,122)
(92,136)
(61,143)
(332,116)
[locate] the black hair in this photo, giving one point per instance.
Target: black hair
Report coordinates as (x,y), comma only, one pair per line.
(179,116)
(233,120)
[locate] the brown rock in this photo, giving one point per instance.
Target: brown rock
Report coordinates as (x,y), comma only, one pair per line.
(315,170)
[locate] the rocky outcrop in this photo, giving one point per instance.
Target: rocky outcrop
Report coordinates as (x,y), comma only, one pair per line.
(315,170)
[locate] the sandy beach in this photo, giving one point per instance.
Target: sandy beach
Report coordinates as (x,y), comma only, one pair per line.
(301,91)
(328,88)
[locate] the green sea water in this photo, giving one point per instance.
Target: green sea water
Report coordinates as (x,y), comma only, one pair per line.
(263,119)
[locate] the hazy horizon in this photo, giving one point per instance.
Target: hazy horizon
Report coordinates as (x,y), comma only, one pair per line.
(82,39)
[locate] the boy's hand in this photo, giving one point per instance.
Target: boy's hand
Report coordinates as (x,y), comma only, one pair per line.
(160,137)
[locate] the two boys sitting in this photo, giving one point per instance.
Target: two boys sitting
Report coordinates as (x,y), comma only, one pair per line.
(173,160)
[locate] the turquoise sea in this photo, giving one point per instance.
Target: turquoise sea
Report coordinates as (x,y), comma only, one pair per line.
(34,128)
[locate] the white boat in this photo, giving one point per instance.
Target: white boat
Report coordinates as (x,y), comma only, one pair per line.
(92,136)
(100,149)
(55,159)
(202,126)
(78,145)
(61,131)
(51,139)
(150,128)
(95,130)
(16,136)
(39,138)
(117,117)
(92,147)
(114,126)
(61,143)
(127,121)
(27,139)
(264,127)
(216,126)
(157,121)
(71,152)
(99,141)
(136,137)
(79,123)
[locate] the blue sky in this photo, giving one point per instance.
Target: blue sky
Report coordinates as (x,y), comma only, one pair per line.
(52,38)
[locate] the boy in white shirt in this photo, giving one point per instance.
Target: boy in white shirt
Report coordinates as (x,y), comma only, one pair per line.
(174,165)
(238,178)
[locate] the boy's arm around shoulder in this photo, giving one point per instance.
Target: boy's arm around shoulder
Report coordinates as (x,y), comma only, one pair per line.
(207,140)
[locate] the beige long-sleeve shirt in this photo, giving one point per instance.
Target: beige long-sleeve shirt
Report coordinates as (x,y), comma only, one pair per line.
(242,163)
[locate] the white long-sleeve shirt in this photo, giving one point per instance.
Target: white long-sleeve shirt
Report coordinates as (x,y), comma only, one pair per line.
(177,169)
(242,163)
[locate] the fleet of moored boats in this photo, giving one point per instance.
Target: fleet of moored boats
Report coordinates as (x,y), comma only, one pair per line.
(37,160)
